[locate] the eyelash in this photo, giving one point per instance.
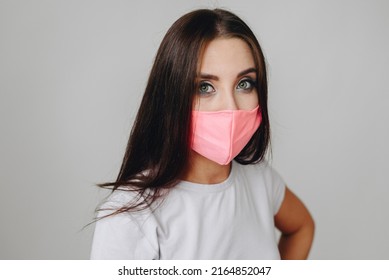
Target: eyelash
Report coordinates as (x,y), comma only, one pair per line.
(202,84)
(251,86)
(250,81)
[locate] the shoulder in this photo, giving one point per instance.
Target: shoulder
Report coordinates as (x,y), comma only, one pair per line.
(118,198)
(125,235)
(260,171)
(263,176)
(114,201)
(121,204)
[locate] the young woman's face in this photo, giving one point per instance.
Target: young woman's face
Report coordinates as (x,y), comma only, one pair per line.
(227,77)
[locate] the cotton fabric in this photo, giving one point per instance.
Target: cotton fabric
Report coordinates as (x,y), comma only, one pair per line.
(230,220)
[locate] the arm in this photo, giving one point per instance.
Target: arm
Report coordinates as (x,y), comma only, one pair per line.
(296,226)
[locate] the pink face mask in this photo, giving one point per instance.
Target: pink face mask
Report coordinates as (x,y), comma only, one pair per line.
(221,135)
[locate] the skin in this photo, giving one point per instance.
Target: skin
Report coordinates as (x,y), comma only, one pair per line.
(220,89)
(224,84)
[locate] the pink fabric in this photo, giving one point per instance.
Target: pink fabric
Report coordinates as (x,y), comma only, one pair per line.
(221,135)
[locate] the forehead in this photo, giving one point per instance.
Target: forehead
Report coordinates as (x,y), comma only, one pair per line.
(223,54)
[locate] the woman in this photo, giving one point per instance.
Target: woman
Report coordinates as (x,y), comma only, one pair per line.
(194,183)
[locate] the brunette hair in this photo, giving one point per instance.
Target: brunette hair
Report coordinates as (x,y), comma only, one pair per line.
(158,148)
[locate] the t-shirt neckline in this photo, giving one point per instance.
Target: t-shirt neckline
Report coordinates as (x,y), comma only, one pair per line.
(197,187)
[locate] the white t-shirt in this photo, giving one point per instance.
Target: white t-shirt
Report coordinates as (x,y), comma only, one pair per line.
(230,220)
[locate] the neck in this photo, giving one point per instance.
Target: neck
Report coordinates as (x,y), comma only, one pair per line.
(204,171)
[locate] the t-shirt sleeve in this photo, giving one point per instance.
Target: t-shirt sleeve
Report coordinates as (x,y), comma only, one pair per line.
(278,190)
(123,236)
(276,187)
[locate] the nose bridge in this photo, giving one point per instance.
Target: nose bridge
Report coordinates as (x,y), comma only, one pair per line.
(229,99)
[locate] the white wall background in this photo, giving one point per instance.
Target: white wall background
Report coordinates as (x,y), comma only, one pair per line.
(72,74)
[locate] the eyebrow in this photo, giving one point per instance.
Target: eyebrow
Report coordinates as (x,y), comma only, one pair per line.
(216,78)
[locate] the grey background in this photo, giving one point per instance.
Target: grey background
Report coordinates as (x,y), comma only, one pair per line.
(72,74)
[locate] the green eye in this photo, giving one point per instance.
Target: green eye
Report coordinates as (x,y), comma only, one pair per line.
(206,88)
(245,84)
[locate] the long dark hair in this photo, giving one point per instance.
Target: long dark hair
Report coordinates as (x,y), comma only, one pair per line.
(158,148)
